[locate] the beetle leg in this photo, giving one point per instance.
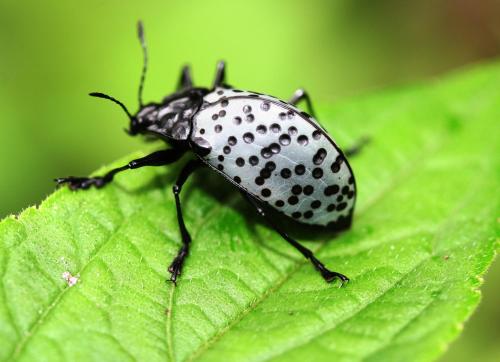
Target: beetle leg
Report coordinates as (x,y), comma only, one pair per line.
(220,75)
(302,95)
(357,147)
(157,158)
(185,80)
(328,275)
(175,267)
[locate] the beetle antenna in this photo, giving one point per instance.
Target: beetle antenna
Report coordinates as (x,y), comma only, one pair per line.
(105,96)
(142,39)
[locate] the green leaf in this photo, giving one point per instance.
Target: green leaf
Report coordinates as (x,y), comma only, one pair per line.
(424,232)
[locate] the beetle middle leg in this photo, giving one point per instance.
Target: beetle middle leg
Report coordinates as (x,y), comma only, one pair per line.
(302,95)
(158,158)
(327,274)
(220,75)
(175,267)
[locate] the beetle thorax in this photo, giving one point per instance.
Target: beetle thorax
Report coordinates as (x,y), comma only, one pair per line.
(171,120)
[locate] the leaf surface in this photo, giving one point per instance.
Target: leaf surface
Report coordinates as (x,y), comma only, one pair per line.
(425,230)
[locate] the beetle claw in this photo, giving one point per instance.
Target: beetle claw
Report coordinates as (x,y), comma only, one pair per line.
(330,276)
(175,269)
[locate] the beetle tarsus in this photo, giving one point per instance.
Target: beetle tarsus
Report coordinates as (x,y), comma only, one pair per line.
(330,276)
(327,274)
(77,183)
(175,267)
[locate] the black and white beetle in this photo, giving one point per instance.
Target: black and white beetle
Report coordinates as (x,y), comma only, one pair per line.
(275,154)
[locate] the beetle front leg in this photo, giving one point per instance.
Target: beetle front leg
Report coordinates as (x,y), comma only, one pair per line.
(327,274)
(175,267)
(158,158)
(185,80)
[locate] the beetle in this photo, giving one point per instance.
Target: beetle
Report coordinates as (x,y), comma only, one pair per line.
(276,155)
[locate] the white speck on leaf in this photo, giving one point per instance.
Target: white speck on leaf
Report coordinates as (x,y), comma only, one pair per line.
(70,279)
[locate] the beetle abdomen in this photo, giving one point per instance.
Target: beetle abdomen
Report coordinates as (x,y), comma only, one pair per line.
(278,154)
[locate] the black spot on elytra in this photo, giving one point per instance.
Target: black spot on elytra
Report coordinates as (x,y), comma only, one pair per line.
(261,129)
(265,173)
(308,190)
(240,162)
(316,204)
(259,181)
(275,148)
(300,169)
(303,140)
(319,157)
(286,173)
(317,172)
(316,134)
(248,137)
(266,152)
(284,140)
(341,206)
(270,165)
(265,192)
(292,131)
(331,190)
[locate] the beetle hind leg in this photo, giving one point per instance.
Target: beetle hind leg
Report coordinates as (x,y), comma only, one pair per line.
(327,274)
(356,148)
(302,95)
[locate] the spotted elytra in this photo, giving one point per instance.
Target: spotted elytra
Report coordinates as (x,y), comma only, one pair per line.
(276,155)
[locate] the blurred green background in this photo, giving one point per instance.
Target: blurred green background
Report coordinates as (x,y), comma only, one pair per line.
(54,52)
